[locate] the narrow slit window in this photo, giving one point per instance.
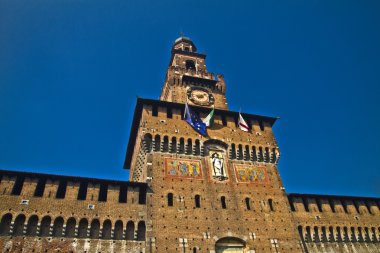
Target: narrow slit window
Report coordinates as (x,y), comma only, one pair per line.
(197,201)
(223,202)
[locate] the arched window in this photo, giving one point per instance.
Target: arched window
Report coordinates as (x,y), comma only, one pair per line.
(194,250)
(248,203)
(173,148)
(197,201)
(130,231)
(148,142)
(82,229)
(141,231)
(267,155)
(240,152)
(170,199)
(94,229)
(45,226)
(233,151)
(324,235)
(247,155)
(165,145)
(190,64)
(18,227)
(254,155)
(316,235)
(157,143)
(331,235)
(261,155)
(106,231)
(274,156)
(223,202)
(118,231)
(230,244)
(181,149)
(70,227)
(5,224)
(31,228)
(270,202)
(189,148)
(197,147)
(58,227)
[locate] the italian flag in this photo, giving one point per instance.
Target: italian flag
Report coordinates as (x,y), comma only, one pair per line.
(242,124)
(209,120)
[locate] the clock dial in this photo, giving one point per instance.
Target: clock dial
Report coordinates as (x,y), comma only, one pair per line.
(200,96)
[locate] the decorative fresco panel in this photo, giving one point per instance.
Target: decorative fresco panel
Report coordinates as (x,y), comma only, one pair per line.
(183,168)
(251,174)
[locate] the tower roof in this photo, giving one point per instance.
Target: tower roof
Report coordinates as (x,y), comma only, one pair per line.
(183,39)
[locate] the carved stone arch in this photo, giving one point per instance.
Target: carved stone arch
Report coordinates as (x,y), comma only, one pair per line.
(94,229)
(226,244)
(5,224)
(45,226)
(58,226)
(18,227)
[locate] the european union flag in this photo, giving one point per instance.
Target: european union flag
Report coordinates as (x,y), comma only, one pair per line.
(194,121)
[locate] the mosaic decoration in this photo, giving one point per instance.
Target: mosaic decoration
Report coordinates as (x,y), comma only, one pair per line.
(218,166)
(251,174)
(183,168)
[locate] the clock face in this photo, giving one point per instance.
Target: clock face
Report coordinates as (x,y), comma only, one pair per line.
(200,96)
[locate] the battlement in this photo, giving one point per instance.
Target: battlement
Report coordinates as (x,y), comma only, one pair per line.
(311,203)
(161,118)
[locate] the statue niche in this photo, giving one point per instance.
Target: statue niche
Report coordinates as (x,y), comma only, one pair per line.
(216,151)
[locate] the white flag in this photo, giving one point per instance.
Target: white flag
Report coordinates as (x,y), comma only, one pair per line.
(242,124)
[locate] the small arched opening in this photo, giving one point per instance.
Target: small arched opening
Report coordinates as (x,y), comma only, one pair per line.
(230,244)
(141,231)
(70,227)
(130,231)
(94,229)
(106,232)
(190,64)
(118,232)
(58,227)
(5,224)
(18,227)
(45,226)
(82,229)
(31,228)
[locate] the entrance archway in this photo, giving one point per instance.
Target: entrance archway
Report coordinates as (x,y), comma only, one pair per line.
(230,245)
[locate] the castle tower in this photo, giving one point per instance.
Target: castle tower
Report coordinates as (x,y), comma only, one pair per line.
(208,194)
(187,79)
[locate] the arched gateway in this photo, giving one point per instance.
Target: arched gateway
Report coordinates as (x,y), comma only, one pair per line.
(230,245)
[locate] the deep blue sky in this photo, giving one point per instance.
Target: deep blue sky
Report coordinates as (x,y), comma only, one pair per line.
(70,72)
